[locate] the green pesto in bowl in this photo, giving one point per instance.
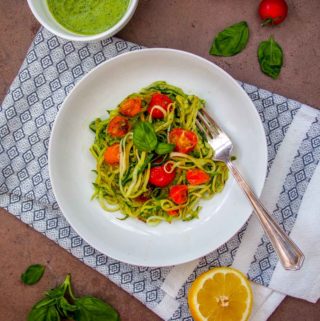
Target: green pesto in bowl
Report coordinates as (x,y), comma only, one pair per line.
(87,17)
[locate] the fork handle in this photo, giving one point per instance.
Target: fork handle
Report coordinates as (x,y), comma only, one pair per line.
(288,252)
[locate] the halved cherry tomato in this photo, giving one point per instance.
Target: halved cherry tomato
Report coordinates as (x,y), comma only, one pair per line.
(159,177)
(273,11)
(112,154)
(161,100)
(179,193)
(185,140)
(118,126)
(197,176)
(131,107)
(173,212)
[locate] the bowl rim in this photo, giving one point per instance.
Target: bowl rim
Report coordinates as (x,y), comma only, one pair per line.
(86,38)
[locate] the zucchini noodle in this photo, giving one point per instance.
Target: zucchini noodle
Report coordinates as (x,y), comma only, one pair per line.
(125,186)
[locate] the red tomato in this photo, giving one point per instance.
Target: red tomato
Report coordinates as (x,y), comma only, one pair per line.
(161,100)
(173,212)
(131,107)
(112,154)
(273,11)
(197,176)
(159,177)
(118,126)
(185,140)
(179,193)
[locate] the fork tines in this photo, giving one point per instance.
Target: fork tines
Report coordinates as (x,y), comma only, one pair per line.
(206,124)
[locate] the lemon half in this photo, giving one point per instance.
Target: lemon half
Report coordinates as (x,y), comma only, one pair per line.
(221,294)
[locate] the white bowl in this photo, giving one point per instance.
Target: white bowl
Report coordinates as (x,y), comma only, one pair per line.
(41,11)
(71,164)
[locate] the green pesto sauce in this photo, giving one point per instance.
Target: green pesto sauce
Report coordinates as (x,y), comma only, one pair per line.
(88,17)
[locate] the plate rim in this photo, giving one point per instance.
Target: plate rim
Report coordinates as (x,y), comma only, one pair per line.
(141,51)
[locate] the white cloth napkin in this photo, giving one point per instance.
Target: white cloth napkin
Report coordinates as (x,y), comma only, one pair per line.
(305,283)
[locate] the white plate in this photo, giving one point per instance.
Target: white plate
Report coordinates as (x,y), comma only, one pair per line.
(70,162)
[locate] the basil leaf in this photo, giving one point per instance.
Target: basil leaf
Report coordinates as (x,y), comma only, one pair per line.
(52,314)
(270,57)
(32,274)
(231,40)
(164,148)
(57,292)
(93,309)
(44,302)
(144,137)
(66,308)
(44,310)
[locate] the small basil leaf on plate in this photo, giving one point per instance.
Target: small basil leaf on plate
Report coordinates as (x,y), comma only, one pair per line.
(44,310)
(144,137)
(270,56)
(231,40)
(32,274)
(164,148)
(93,309)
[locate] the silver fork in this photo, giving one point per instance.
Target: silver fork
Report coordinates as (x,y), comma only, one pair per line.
(288,252)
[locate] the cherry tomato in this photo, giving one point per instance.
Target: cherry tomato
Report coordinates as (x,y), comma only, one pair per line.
(159,177)
(112,154)
(273,11)
(197,176)
(173,212)
(131,107)
(161,100)
(118,126)
(179,193)
(185,140)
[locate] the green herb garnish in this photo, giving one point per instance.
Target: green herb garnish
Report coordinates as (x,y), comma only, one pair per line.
(270,56)
(231,40)
(33,274)
(60,303)
(144,136)
(93,309)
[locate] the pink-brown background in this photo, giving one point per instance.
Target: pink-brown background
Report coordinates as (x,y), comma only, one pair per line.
(183,24)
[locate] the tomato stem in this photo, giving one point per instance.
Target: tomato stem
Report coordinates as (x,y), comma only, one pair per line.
(268,21)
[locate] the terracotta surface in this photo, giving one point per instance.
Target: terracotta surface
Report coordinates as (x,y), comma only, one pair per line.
(189,25)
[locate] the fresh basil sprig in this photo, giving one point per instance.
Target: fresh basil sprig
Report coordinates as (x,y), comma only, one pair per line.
(144,136)
(145,139)
(231,40)
(270,56)
(60,303)
(33,274)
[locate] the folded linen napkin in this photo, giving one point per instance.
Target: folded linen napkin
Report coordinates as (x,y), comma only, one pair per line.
(51,69)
